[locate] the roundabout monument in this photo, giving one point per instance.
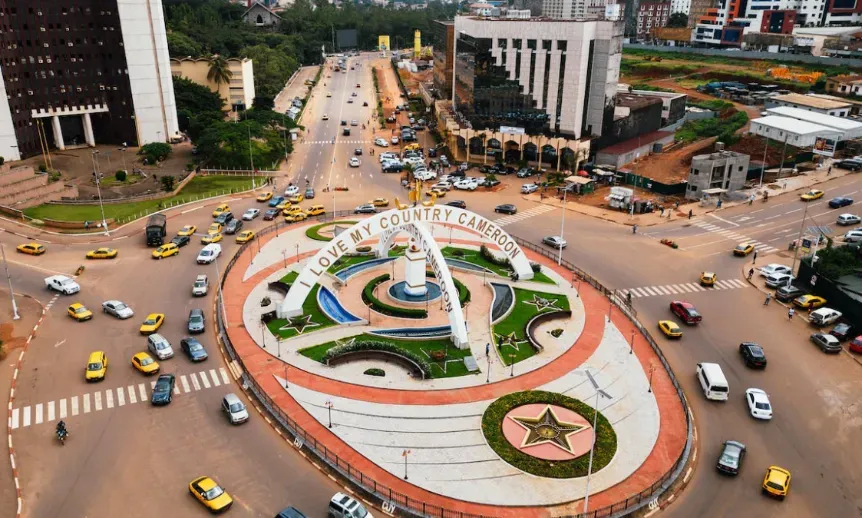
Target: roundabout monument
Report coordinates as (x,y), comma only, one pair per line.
(464,359)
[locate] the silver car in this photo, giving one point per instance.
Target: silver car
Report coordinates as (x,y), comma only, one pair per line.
(234,408)
(159,346)
(117,309)
(196,321)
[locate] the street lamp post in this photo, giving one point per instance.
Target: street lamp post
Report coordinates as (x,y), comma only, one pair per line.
(9,279)
(284,256)
(99,190)
(122,151)
(651,370)
(405,453)
(329,407)
(602,393)
(488,355)
(297,252)
(632,343)
(562,226)
(512,363)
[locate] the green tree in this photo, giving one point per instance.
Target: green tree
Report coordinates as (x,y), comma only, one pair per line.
(155,151)
(263,102)
(195,101)
(219,71)
(120,175)
(168,182)
(180,45)
(677,20)
(272,68)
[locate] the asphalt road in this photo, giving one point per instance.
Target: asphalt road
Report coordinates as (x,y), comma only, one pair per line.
(815,396)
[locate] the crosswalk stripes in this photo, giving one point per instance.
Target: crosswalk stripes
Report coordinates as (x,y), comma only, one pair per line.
(23,417)
(735,236)
(529,213)
(678,289)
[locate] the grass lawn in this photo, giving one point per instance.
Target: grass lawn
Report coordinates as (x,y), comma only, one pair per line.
(314,232)
(516,324)
(198,187)
(345,262)
(290,277)
(309,307)
(421,347)
(475,257)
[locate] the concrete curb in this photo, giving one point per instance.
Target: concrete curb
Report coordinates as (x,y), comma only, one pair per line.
(679,486)
(18,364)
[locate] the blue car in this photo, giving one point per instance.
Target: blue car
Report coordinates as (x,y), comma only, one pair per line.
(163,392)
(837,203)
(276,200)
(193,349)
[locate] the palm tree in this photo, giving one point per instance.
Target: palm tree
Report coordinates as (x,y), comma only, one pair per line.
(219,71)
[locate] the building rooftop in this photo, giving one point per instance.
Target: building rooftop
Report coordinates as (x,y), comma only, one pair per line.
(821,119)
(847,78)
(814,102)
(715,155)
(634,101)
(634,143)
(836,98)
(794,126)
(824,31)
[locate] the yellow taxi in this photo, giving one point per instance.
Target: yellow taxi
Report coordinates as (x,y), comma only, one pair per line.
(166,250)
(220,209)
(669,328)
(776,482)
(809,301)
(283,205)
(245,236)
(293,209)
(143,362)
(79,312)
(264,196)
(152,323)
(97,366)
(102,253)
(31,249)
(210,494)
(708,278)
(215,228)
(294,217)
(211,238)
(743,249)
(297,198)
(187,230)
(438,192)
(380,202)
(813,194)
(315,210)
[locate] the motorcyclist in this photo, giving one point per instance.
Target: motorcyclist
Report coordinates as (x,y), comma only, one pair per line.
(61,429)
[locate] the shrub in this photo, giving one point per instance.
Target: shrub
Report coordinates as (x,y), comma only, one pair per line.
(384,308)
(120,175)
(463,292)
(458,252)
(370,345)
(155,152)
(556,333)
(363,249)
(266,301)
(167,182)
(536,267)
(489,256)
(438,355)
(375,372)
(43,168)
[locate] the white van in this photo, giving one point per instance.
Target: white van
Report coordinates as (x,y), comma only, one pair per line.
(712,381)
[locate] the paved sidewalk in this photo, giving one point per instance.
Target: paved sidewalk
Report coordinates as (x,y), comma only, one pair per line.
(264,370)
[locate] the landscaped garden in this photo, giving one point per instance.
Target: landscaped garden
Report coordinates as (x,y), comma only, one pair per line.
(312,318)
(606,438)
(313,232)
(510,334)
(436,358)
(484,258)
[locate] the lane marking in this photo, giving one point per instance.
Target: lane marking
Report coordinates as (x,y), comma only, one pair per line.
(132,396)
(15,418)
(142,391)
(74,406)
(25,421)
(195,383)
(38,419)
(121,396)
(185,383)
(191,210)
(214,376)
(224,376)
(51,411)
(97,401)
(204,379)
(63,408)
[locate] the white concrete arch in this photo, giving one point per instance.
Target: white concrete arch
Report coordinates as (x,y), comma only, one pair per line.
(408,219)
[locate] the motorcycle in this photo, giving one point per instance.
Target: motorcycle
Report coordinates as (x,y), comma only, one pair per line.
(62,435)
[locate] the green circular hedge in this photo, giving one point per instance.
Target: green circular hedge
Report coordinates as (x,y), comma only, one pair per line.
(375,372)
(492,419)
(314,232)
(368,298)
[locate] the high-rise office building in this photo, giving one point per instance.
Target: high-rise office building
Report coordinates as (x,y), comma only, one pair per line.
(81,72)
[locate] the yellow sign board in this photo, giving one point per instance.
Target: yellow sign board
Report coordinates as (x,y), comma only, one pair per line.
(383,43)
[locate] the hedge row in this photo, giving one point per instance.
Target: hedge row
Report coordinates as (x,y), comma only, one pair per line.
(489,256)
(606,438)
(382,307)
(463,292)
(369,345)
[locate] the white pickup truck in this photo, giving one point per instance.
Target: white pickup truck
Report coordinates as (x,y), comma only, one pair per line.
(62,284)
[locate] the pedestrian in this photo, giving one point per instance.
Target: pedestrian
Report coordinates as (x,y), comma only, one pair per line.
(790,313)
(86,225)
(690,213)
(669,213)
(750,273)
(634,229)
(661,213)
(718,205)
(768,299)
(829,171)
(754,261)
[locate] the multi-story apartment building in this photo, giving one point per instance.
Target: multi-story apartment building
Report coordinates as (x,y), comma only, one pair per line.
(680,6)
(238,92)
(726,23)
(78,72)
(442,43)
(575,9)
(651,14)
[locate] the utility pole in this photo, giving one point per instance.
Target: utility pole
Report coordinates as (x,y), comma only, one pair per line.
(9,279)
(562,226)
(763,167)
(251,156)
(99,189)
(798,240)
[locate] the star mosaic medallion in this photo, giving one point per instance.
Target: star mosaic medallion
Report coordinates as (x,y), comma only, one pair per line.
(510,340)
(546,428)
(299,324)
(542,304)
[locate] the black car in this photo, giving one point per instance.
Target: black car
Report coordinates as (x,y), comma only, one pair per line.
(753,355)
(509,170)
(391,118)
(786,293)
(224,218)
(506,208)
(730,458)
(271,214)
(457,203)
(180,241)
(458,174)
(490,183)
(346,132)
(843,331)
(290,512)
(841,201)
(850,165)
(344,123)
(163,391)
(357,151)
(233,226)
(193,349)
(432,152)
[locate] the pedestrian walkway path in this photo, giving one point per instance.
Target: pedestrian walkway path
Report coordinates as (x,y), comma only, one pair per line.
(39,413)
(734,236)
(688,287)
(529,213)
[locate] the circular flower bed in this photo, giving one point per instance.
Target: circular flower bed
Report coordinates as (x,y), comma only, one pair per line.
(492,428)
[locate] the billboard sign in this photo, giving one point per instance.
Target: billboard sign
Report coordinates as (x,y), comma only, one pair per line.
(383,43)
(825,146)
(512,130)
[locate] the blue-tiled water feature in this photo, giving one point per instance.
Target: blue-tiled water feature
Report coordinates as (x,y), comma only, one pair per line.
(398,292)
(333,309)
(415,332)
(350,271)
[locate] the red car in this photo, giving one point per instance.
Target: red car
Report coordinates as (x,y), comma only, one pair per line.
(856,345)
(685,311)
